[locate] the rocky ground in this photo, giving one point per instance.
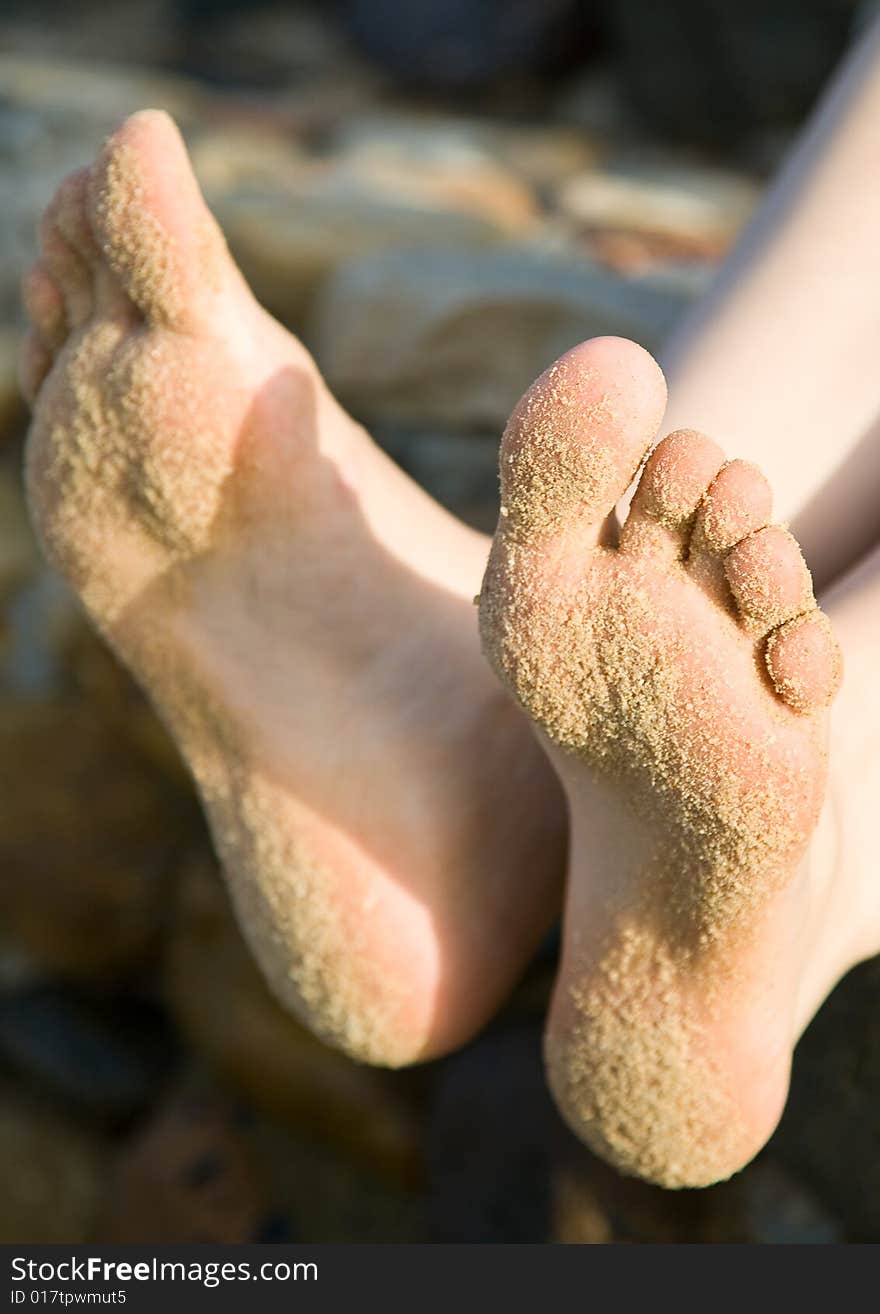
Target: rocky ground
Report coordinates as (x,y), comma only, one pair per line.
(434,261)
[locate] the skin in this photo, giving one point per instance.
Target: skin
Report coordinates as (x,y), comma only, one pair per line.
(709,905)
(776,361)
(267,574)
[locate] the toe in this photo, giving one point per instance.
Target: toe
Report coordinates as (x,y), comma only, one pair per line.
(34,364)
(738,502)
(62,261)
(44,306)
(805,663)
(577,437)
(152,225)
(71,216)
(769,578)
(674,481)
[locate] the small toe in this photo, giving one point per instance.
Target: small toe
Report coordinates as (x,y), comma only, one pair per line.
(805,662)
(577,437)
(769,578)
(63,262)
(673,483)
(738,502)
(44,306)
(72,218)
(35,361)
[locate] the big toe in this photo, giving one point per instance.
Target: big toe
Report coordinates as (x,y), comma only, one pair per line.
(153,227)
(577,437)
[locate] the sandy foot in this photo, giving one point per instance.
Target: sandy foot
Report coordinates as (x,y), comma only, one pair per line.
(300,612)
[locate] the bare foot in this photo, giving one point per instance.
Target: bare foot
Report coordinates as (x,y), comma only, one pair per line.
(300,612)
(680,679)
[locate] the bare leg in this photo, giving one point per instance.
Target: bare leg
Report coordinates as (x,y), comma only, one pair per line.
(779,361)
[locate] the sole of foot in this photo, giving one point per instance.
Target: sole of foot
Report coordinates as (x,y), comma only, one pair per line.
(679,674)
(300,613)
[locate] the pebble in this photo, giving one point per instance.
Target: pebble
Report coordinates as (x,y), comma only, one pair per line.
(454,338)
(698,211)
(289,234)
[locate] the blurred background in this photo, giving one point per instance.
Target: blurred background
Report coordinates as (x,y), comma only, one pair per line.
(439,196)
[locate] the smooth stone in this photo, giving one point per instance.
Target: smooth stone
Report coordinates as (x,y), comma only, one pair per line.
(83,89)
(224,1009)
(543,154)
(454,338)
(700,208)
(289,234)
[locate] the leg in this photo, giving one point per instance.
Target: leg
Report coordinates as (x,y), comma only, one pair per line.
(778,362)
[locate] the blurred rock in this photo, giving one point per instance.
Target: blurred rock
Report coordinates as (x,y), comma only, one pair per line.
(577,1216)
(52,1174)
(324,1195)
(54,114)
(454,338)
(490,1141)
(18,550)
(717,73)
(289,231)
(592,102)
(87,835)
(222,1005)
(12,408)
(88,30)
(593,1204)
(764,1204)
(186,1176)
(70,92)
(459,470)
(696,211)
(262,44)
(782,1211)
(830,1131)
(458,46)
(542,153)
(103,1058)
